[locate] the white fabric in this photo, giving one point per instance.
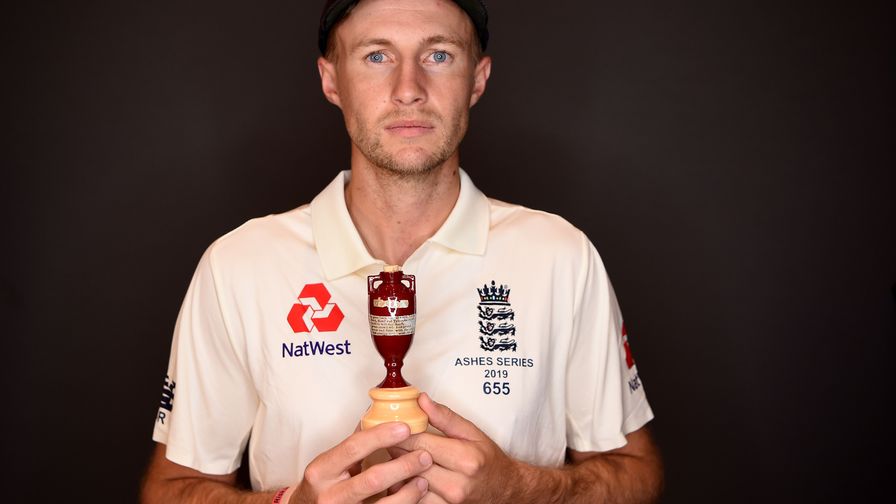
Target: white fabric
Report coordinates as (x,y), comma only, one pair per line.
(565,382)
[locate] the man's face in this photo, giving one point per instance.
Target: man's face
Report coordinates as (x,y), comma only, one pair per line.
(405,76)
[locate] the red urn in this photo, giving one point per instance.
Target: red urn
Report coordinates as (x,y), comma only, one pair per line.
(392,313)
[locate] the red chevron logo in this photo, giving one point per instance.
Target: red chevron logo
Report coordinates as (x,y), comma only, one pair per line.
(629,360)
(314,311)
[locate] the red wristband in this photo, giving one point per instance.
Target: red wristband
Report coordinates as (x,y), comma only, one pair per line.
(282,496)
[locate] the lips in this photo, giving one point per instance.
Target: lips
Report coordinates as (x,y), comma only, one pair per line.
(409,128)
(409,124)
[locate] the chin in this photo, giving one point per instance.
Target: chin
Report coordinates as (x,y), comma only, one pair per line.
(410,169)
(411,163)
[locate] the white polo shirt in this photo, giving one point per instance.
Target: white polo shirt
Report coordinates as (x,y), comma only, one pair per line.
(518,330)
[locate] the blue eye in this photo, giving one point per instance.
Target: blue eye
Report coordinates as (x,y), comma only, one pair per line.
(376,57)
(440,56)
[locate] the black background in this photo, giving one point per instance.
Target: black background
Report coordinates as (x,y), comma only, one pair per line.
(732,161)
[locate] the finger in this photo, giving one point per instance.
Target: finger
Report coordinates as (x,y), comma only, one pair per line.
(332,463)
(458,455)
(411,492)
(395,488)
(432,498)
(443,418)
(447,484)
(380,477)
(433,443)
(396,452)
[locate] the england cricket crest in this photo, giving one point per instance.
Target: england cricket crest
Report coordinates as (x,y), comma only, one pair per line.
(496,329)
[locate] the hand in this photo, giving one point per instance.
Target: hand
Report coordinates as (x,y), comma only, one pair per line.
(335,475)
(469,466)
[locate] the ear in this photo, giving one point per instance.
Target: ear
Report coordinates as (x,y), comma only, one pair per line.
(480,77)
(328,81)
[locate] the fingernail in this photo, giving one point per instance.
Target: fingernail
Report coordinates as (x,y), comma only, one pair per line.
(422,484)
(400,429)
(425,459)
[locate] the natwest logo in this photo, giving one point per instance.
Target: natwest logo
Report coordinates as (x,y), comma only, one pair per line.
(314,311)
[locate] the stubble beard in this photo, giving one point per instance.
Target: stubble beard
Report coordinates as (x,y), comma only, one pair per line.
(409,165)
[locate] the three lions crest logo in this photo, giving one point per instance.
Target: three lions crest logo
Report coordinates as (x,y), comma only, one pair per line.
(496,329)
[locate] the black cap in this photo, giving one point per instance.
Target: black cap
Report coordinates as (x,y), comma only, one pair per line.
(335,9)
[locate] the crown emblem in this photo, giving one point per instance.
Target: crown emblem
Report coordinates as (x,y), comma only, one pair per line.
(494,294)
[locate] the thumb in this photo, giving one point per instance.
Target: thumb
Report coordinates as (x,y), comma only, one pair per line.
(450,423)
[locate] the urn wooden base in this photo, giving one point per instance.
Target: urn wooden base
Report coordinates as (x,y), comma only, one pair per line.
(395,405)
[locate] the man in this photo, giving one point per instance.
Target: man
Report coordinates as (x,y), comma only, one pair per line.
(546,402)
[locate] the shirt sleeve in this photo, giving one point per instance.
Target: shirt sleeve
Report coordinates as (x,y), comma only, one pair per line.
(605,397)
(209,400)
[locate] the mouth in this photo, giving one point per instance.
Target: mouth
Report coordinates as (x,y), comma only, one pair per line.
(409,128)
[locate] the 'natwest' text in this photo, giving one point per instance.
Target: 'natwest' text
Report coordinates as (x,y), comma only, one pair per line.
(316,348)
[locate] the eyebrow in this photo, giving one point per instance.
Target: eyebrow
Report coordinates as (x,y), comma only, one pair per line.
(445,39)
(371,42)
(435,39)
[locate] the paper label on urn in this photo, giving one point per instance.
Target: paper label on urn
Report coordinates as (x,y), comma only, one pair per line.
(390,303)
(401,325)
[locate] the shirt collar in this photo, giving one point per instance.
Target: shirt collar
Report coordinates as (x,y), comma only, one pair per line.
(466,228)
(342,251)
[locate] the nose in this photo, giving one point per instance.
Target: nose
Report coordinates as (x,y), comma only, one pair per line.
(410,83)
